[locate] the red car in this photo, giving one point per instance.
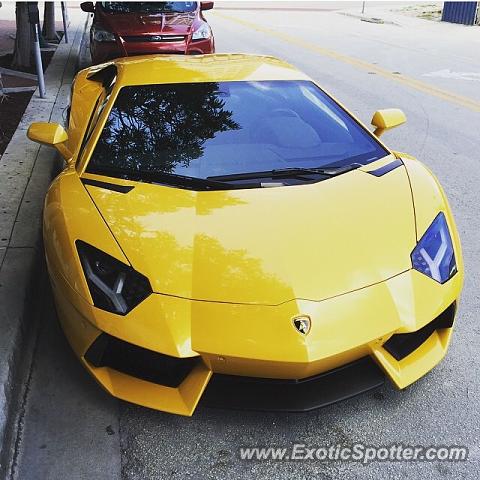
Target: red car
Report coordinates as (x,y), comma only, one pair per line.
(121,29)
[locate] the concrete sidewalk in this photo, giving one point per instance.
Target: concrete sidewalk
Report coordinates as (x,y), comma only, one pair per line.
(26,170)
(406,14)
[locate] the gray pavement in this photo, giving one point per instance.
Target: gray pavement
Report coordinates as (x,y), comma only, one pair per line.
(71,429)
(26,170)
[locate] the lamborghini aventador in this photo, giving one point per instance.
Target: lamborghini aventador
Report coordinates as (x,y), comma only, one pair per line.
(226,231)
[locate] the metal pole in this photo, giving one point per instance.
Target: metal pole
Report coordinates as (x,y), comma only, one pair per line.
(363,8)
(64,17)
(38,60)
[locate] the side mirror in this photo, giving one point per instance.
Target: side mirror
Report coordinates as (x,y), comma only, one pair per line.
(387,119)
(88,7)
(51,134)
(206,5)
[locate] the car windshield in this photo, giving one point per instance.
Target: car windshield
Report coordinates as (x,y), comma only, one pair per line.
(205,130)
(149,7)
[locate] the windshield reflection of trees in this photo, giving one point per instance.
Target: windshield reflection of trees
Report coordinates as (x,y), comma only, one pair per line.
(157,128)
(205,269)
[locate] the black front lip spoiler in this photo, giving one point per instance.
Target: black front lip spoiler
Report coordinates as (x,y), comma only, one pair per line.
(264,394)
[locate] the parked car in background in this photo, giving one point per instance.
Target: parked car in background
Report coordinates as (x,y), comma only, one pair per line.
(121,29)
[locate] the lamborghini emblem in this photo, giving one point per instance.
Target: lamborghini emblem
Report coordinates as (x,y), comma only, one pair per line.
(302,323)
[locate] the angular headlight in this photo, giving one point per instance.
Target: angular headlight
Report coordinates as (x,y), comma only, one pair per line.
(202,32)
(434,255)
(99,34)
(114,286)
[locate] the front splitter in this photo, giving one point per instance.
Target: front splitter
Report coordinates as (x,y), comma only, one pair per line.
(252,393)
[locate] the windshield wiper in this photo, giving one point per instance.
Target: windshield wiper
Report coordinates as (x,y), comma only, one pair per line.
(174,179)
(292,172)
(167,178)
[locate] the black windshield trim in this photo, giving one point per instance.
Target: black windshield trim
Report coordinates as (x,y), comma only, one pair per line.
(379,172)
(108,186)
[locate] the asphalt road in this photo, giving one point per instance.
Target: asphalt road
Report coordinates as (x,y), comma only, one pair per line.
(72,429)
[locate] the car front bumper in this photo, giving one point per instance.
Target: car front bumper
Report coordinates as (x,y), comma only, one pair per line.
(257,349)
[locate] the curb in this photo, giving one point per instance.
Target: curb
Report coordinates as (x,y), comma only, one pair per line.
(365,18)
(84,58)
(26,171)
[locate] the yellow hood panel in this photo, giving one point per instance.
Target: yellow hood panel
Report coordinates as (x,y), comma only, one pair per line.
(265,246)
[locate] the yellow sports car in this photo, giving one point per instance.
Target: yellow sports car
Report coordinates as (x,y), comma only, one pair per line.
(224,229)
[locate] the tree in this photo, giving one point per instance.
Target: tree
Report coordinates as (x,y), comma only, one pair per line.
(23,38)
(48,29)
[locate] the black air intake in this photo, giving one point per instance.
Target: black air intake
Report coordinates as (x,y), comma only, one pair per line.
(402,344)
(108,351)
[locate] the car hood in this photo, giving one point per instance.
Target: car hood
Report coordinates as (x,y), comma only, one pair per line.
(265,246)
(131,24)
